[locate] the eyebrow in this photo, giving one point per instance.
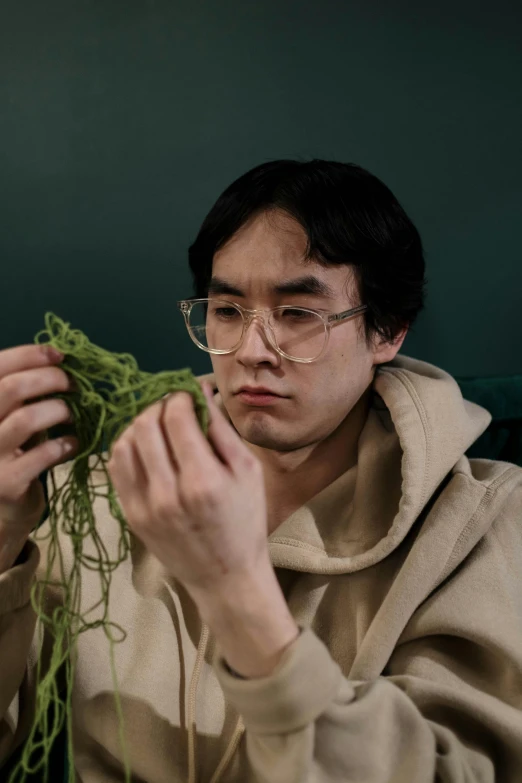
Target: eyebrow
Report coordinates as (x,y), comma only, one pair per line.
(309,284)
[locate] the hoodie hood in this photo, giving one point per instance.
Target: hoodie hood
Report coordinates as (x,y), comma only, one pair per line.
(417,429)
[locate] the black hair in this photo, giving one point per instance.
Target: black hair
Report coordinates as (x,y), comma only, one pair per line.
(350,218)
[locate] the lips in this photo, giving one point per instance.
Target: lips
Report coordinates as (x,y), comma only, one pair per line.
(259,390)
(260,399)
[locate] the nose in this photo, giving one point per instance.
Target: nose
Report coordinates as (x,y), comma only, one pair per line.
(256,348)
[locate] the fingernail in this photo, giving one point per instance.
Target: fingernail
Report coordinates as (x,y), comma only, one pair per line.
(54,354)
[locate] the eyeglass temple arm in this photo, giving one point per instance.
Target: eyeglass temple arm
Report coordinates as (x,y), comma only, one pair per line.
(347,313)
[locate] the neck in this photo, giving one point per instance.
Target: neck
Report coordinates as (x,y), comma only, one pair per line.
(293,478)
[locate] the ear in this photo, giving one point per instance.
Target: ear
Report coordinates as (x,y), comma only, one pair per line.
(386,351)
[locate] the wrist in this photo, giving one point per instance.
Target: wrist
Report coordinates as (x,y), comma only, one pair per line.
(250,620)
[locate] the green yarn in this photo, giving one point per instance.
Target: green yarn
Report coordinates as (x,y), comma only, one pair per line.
(112,391)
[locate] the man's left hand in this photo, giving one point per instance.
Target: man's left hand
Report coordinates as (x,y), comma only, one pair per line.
(198,505)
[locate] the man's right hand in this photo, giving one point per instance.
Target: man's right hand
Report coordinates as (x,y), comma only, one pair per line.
(26,372)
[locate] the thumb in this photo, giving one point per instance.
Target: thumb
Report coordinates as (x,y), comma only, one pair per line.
(221,434)
(209,394)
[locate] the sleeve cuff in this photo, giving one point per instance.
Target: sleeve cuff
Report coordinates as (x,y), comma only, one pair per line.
(300,688)
(16,583)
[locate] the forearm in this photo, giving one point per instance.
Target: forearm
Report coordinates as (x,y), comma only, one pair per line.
(10,549)
(17,625)
(307,722)
(250,620)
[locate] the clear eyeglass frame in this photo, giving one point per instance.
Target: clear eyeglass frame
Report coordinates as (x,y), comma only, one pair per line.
(329,319)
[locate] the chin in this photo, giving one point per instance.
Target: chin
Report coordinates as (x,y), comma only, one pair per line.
(266,435)
(271,444)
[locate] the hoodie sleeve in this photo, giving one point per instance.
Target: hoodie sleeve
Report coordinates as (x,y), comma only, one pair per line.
(17,626)
(447,708)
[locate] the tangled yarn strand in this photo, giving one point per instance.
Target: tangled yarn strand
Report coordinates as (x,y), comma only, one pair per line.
(110,392)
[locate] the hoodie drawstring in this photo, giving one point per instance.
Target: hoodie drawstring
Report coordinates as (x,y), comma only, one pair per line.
(191,718)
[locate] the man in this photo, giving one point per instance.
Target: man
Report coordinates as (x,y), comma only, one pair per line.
(326,589)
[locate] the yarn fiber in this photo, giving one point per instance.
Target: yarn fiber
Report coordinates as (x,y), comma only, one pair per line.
(111,392)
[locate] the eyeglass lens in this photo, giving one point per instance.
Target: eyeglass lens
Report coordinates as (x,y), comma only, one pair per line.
(218,325)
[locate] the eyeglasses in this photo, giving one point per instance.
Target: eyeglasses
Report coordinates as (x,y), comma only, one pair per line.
(297,333)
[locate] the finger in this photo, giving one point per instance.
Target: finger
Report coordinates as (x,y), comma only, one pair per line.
(128,478)
(190,448)
(18,389)
(32,421)
(158,462)
(222,436)
(26,357)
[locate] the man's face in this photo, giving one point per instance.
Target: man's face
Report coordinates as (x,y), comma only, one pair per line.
(317,397)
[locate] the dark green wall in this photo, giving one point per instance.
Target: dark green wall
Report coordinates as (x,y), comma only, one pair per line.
(120,123)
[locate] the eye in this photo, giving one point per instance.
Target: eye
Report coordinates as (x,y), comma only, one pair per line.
(225,313)
(296,314)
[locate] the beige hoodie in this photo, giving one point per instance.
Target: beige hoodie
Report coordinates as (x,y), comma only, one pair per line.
(405,576)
